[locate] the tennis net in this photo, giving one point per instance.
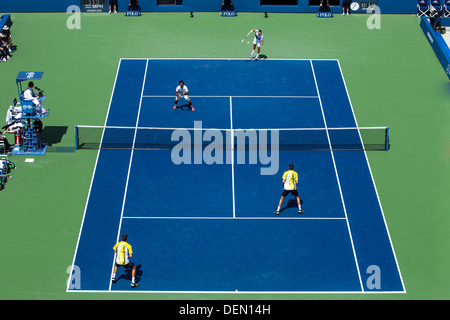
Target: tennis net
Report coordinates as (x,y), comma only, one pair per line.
(308,139)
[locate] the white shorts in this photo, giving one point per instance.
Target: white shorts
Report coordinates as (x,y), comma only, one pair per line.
(257,42)
(184,96)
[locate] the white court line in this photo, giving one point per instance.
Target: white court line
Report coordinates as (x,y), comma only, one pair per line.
(338,181)
(92,181)
(129,169)
(274,218)
(232,157)
(208,96)
(237,59)
(237,218)
(227,129)
(234,292)
(373,181)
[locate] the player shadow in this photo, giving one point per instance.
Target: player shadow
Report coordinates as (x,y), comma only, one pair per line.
(184,107)
(126,275)
(291,203)
(261,57)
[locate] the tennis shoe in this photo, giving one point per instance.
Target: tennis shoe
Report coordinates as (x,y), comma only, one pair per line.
(192,108)
(277,212)
(113,280)
(175,106)
(134,284)
(300,211)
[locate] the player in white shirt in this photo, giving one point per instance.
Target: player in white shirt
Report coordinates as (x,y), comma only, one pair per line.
(182,92)
(258,41)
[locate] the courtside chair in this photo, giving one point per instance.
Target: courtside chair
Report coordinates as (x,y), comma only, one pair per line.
(436,8)
(446,12)
(423,8)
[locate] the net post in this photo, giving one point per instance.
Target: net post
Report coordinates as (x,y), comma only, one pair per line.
(387,138)
(76,137)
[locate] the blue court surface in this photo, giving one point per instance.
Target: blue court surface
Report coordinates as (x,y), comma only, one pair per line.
(202,227)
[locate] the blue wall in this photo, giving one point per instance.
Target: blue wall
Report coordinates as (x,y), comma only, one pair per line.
(9,6)
(438,44)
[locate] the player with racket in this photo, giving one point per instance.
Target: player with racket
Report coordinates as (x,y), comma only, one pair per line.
(182,92)
(258,41)
(290,180)
(124,252)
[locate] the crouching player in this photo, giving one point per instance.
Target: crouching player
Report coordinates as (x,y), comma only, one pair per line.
(182,92)
(123,252)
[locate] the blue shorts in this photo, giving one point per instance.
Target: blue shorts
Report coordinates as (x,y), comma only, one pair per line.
(286,192)
(126,266)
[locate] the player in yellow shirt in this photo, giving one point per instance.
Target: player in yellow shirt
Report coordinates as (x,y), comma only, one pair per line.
(123,252)
(290,180)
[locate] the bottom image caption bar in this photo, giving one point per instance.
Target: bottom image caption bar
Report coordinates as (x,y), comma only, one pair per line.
(224,309)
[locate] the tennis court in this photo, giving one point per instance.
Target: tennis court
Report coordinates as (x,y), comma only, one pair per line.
(200,227)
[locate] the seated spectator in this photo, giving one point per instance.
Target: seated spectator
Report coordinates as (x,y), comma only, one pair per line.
(15,127)
(4,53)
(134,5)
(5,146)
(227,5)
(5,44)
(6,34)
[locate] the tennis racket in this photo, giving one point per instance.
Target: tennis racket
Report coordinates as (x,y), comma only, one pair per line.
(246,36)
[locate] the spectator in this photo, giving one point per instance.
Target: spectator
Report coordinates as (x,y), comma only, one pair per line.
(113,4)
(324,7)
(346,6)
(134,5)
(4,52)
(227,5)
(6,35)
(5,147)
(5,44)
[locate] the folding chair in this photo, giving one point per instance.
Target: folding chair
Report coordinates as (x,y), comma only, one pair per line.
(423,8)
(436,8)
(446,12)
